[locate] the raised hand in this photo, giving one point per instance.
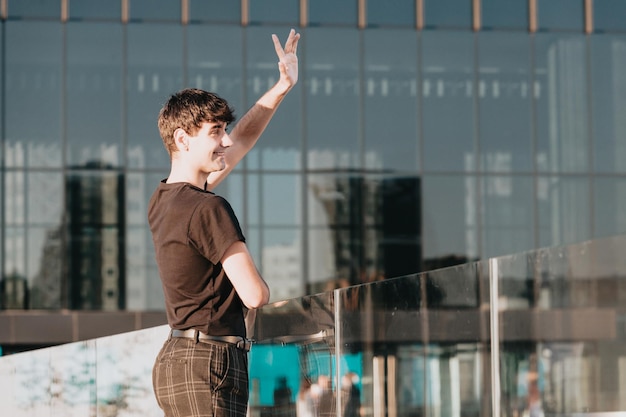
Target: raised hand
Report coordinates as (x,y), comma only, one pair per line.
(287,58)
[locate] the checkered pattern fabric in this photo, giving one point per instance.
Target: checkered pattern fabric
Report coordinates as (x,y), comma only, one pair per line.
(201,379)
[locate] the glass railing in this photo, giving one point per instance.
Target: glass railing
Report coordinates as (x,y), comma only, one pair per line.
(534,334)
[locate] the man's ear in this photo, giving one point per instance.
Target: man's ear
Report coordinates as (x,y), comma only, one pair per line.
(181,140)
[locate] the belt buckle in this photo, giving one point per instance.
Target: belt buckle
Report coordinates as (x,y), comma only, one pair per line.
(244,344)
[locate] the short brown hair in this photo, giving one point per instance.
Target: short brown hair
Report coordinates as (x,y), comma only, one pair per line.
(188,109)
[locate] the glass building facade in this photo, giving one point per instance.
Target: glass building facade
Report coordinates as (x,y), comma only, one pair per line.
(422,134)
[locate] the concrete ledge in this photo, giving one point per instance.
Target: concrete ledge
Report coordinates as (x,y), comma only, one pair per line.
(42,327)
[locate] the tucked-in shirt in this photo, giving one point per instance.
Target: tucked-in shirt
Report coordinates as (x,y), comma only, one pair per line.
(191,230)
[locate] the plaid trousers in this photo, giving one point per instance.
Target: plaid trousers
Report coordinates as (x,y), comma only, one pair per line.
(201,379)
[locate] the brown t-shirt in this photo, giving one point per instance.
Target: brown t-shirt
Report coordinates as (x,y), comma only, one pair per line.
(191,230)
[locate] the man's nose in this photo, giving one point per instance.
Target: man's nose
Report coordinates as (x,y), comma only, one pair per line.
(226,140)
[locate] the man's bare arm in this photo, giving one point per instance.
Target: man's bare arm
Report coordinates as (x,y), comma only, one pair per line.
(249,128)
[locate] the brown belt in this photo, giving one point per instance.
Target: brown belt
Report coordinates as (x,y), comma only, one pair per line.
(239,341)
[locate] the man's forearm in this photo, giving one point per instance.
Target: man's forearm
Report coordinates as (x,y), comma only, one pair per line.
(252,124)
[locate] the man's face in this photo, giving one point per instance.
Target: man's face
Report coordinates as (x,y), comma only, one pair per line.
(208,147)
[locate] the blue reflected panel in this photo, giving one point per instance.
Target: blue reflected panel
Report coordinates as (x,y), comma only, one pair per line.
(504,88)
(33,87)
(504,14)
(449,218)
(124,368)
(609,196)
(448,13)
(507,214)
(276,11)
(391,13)
(608,57)
(608,15)
(280,146)
(95,9)
(568,334)
(294,357)
(448,89)
(94,70)
(34,8)
(154,10)
(151,80)
(331,58)
(560,14)
(391,100)
(333,12)
(561,100)
(564,210)
(281,262)
(215,11)
(281,200)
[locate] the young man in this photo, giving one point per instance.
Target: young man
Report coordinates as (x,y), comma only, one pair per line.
(209,278)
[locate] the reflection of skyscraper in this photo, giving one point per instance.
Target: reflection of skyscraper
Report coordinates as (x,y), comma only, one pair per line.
(95,222)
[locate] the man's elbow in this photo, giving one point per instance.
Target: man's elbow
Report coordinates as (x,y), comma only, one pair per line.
(258,299)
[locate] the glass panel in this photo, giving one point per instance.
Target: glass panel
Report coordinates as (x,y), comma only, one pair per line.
(449,211)
(331,60)
(609,197)
(282,200)
(121,383)
(561,100)
(390,343)
(391,13)
(34,9)
(448,90)
(324,259)
(216,66)
(561,330)
(332,12)
(95,252)
(560,14)
(608,15)
(392,245)
(448,13)
(608,58)
(334,199)
(154,10)
(33,87)
(282,262)
(151,80)
(390,105)
(281,11)
(563,204)
(94,127)
(143,288)
(504,14)
(53,381)
(215,11)
(95,9)
(293,361)
(508,216)
(504,112)
(280,147)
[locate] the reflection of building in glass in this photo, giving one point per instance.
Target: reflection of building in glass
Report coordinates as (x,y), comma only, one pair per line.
(95,223)
(13,292)
(46,286)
